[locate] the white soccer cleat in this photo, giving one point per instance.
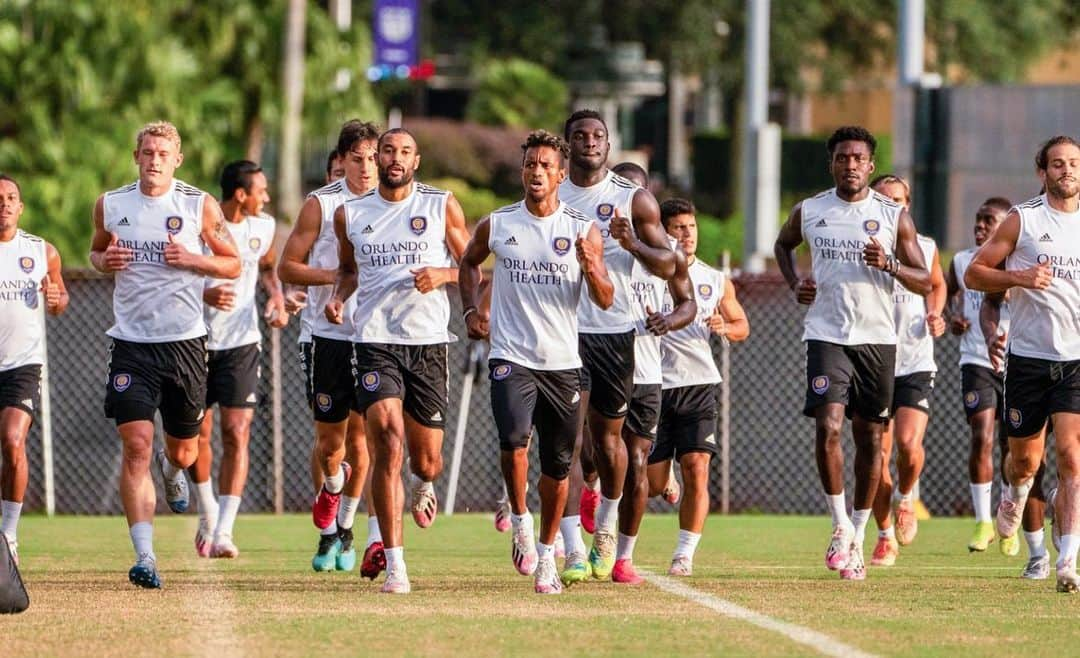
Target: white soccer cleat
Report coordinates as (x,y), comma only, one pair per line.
(523,550)
(855,569)
(176,489)
(397,582)
(681,566)
(838,552)
(424,504)
(1067,579)
(224,548)
(1009,514)
(547,577)
(1038,568)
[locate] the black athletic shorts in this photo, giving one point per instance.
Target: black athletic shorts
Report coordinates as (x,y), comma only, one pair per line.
(550,400)
(165,377)
(1035,389)
(21,388)
(415,374)
(860,377)
(305,367)
(232,377)
(913,391)
(687,422)
(644,414)
(982,388)
(333,379)
(608,364)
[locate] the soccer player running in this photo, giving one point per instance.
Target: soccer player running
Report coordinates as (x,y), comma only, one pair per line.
(395,244)
(30,271)
(152,234)
(918,322)
(232,319)
(690,388)
(310,258)
(629,223)
(545,254)
(1034,256)
(860,242)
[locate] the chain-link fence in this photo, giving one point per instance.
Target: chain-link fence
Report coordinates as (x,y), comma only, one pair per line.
(771,464)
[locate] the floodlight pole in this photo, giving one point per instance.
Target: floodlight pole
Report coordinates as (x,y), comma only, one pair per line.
(761,145)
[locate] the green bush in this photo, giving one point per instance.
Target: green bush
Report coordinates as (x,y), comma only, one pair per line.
(518,93)
(482,156)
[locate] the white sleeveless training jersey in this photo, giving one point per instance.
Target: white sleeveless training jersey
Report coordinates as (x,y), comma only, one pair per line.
(972,342)
(324,255)
(23,265)
(600,202)
(390,239)
(686,354)
(1047,321)
(646,292)
(154,302)
(254,237)
(914,344)
(537,282)
(854,303)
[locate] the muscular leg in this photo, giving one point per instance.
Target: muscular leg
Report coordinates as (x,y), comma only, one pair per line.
(636,491)
(201,470)
(981,455)
(695,504)
(425,449)
(330,446)
(883,497)
(1067,441)
(658,475)
(910,428)
(386,428)
(552,501)
(137,493)
(828,449)
(609,453)
(14,425)
(576,479)
(515,470)
(867,436)
(235,438)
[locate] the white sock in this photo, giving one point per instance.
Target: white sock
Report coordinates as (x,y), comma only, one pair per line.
(687,544)
(915,491)
(346,513)
(208,505)
(1069,544)
(395,559)
(904,497)
(887,533)
(517,520)
(594,485)
(837,509)
(334,483)
(10,512)
(373,532)
(330,529)
(545,551)
(859,519)
(607,514)
(980,500)
(570,526)
(625,548)
(230,505)
(142,538)
(1036,542)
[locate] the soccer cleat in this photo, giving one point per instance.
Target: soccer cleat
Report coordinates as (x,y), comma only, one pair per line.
(1009,546)
(671,491)
(326,556)
(1009,514)
(907,524)
(13,549)
(855,569)
(1067,580)
(885,552)
(602,555)
(203,538)
(1055,528)
(324,509)
(176,489)
(424,504)
(397,582)
(836,555)
(374,561)
(984,535)
(590,499)
(624,572)
(560,546)
(1038,568)
(681,565)
(523,551)
(921,512)
(224,548)
(502,515)
(547,577)
(144,573)
(576,569)
(346,557)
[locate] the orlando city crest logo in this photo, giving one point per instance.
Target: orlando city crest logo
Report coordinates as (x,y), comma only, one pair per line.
(121,381)
(26,264)
(1015,418)
(323,401)
(254,243)
(971,399)
(561,246)
(370,381)
(173,224)
(605,211)
(705,290)
(418,225)
(819,384)
(871,226)
(500,372)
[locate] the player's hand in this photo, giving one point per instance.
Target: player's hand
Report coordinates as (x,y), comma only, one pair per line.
(805,291)
(335,311)
(295,301)
(221,297)
(51,292)
(958,325)
(178,256)
(478,324)
(587,254)
(274,312)
(116,257)
(996,347)
(657,324)
(622,231)
(716,324)
(936,324)
(427,279)
(1038,277)
(874,255)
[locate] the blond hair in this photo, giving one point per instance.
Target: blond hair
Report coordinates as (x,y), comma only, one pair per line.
(158,129)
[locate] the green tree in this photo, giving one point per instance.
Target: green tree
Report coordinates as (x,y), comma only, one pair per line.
(518,94)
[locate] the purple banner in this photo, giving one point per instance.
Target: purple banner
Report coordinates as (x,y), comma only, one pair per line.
(396,29)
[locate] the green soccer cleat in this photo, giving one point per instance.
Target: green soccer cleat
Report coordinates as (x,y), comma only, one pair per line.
(577,569)
(346,557)
(602,555)
(984,535)
(1010,546)
(326,557)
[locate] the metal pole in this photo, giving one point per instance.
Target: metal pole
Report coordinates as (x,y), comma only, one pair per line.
(725,400)
(912,26)
(278,433)
(46,430)
(475,360)
(757,114)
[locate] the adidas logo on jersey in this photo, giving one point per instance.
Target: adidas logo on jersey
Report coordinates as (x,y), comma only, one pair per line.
(512,241)
(1046,238)
(123,222)
(821,223)
(367,229)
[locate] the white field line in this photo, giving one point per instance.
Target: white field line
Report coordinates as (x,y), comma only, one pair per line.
(819,642)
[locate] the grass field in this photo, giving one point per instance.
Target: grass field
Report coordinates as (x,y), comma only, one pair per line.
(938,600)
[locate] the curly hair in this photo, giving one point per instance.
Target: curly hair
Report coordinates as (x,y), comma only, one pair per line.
(851,134)
(550,140)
